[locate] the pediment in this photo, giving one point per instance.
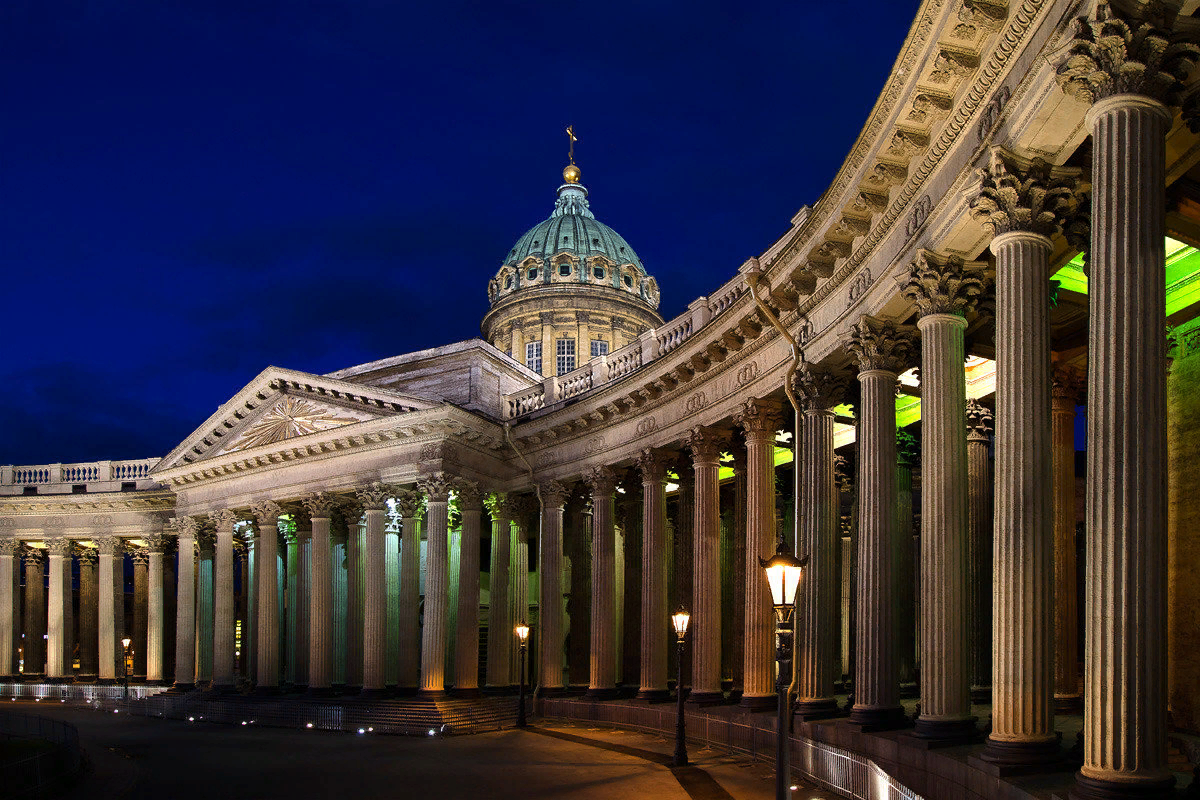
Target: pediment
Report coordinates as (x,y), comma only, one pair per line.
(280,405)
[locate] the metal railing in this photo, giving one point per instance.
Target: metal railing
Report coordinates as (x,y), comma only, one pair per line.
(38,774)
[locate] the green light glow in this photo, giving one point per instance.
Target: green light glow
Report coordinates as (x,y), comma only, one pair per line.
(1182,275)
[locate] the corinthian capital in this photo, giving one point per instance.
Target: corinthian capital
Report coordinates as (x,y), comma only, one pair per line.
(157,543)
(757,416)
(436,486)
(979,421)
(554,494)
(223,519)
(1019,195)
(58,546)
(705,444)
(879,344)
(409,503)
(601,480)
(1116,53)
(819,389)
(267,512)
(9,546)
(940,285)
(318,504)
(184,527)
(470,498)
(1066,383)
(652,464)
(374,497)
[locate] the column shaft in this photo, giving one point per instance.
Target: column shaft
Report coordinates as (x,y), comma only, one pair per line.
(706,610)
(602,679)
(155,614)
(88,615)
(816,619)
(8,598)
(56,628)
(185,615)
(409,674)
(466,650)
(267,567)
(500,625)
(374,603)
(1067,696)
(355,534)
(979,551)
(759,651)
(106,611)
(320,645)
(550,609)
(223,620)
(437,597)
(655,617)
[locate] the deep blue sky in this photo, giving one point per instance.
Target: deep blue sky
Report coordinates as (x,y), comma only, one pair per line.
(194,192)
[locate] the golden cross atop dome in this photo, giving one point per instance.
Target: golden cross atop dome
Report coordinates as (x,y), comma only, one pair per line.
(571,173)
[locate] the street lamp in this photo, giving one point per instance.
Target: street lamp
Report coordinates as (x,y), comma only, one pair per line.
(125,663)
(522,631)
(680,620)
(783,576)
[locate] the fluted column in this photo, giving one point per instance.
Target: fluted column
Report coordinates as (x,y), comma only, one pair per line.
(759,419)
(500,625)
(738,568)
(655,616)
(223,618)
(108,547)
(34,626)
(206,543)
(881,349)
(353,513)
(155,607)
(340,609)
(374,500)
(522,509)
(291,581)
(320,612)
(410,504)
(602,683)
(1022,203)
(185,604)
(707,614)
(8,601)
(141,586)
(1131,69)
(299,644)
(267,512)
(1065,387)
(89,619)
(550,610)
(466,646)
(944,291)
(979,549)
(59,550)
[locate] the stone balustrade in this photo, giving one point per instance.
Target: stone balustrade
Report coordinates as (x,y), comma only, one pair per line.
(96,476)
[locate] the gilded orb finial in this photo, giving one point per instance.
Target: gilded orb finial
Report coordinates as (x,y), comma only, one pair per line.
(571,173)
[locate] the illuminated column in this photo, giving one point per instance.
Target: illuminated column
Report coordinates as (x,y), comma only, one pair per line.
(410,504)
(374,500)
(881,349)
(759,419)
(206,542)
(522,509)
(944,291)
(243,648)
(550,566)
(1023,204)
(35,612)
(979,549)
(298,616)
(354,594)
(818,514)
(392,528)
(602,683)
(267,555)
(108,547)
(466,649)
(320,616)
(56,629)
(8,600)
(1125,694)
(655,616)
(141,566)
(291,543)
(707,614)
(155,608)
(340,609)
(437,584)
(500,624)
(223,620)
(737,643)
(1066,385)
(185,604)
(88,616)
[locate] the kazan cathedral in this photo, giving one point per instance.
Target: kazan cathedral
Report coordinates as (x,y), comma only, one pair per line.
(890,390)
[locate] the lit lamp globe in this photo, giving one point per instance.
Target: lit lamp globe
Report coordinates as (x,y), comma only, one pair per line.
(783,577)
(680,620)
(126,642)
(522,631)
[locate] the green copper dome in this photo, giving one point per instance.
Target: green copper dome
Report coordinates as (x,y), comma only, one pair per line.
(572,228)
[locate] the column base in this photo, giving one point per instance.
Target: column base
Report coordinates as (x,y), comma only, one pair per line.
(1003,758)
(945,732)
(705,698)
(813,710)
(653,695)
(182,687)
(1068,704)
(981,694)
(609,693)
(759,702)
(1094,789)
(878,719)
(431,694)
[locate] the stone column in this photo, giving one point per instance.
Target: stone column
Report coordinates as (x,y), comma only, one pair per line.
(267,512)
(819,512)
(550,566)
(759,419)
(206,542)
(35,612)
(1066,384)
(944,291)
(1022,203)
(290,616)
(108,547)
(242,549)
(655,617)
(88,613)
(340,606)
(374,500)
(410,504)
(223,620)
(392,528)
(738,568)
(523,508)
(185,605)
(881,349)
(1132,87)
(141,586)
(602,683)
(707,614)
(8,600)
(466,648)
(979,549)
(500,625)
(907,566)
(320,615)
(58,636)
(683,568)
(300,652)
(155,608)
(353,513)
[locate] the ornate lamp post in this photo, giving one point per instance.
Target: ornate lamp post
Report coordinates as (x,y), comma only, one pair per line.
(680,620)
(125,663)
(522,631)
(783,576)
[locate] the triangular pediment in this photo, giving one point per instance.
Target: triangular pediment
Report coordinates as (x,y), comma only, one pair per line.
(280,405)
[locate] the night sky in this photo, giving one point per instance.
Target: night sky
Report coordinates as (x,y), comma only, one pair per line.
(195,192)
